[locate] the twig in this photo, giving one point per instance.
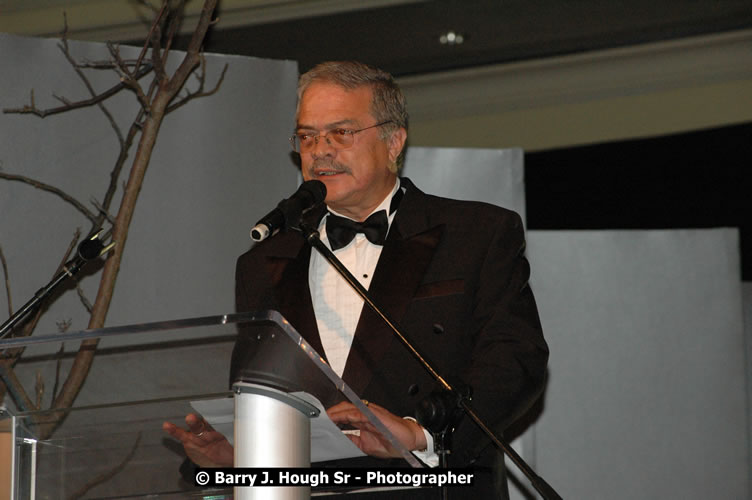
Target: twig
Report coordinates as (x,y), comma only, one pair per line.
(101,478)
(10,356)
(51,189)
(175,20)
(105,65)
(85,301)
(39,389)
(102,210)
(119,163)
(7,281)
(42,113)
(155,42)
(199,92)
(66,52)
(58,365)
(147,42)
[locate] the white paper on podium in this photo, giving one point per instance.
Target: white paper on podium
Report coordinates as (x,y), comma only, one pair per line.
(328,442)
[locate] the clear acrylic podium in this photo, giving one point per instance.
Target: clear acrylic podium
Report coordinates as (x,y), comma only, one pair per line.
(110,444)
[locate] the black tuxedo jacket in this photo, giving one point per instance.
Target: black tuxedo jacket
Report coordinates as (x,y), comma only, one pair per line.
(453,275)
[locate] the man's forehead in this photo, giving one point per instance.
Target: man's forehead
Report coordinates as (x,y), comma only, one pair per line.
(328,105)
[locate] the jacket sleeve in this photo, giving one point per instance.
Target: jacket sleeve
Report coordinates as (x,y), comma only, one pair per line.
(508,360)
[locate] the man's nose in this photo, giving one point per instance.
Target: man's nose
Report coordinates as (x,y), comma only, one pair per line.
(322,146)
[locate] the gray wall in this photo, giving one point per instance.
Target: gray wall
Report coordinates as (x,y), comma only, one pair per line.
(219,164)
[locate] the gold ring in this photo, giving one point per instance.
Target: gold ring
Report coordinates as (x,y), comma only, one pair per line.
(203,429)
(365,402)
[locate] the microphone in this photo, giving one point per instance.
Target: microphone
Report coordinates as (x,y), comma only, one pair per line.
(289,210)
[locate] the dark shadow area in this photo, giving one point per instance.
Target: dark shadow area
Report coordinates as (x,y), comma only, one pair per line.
(700,179)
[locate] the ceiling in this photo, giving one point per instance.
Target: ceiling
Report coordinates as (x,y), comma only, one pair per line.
(402,36)
(405,39)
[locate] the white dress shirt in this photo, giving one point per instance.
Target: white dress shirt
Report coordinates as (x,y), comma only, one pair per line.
(337,306)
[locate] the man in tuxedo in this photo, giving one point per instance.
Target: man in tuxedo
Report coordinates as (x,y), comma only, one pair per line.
(451,273)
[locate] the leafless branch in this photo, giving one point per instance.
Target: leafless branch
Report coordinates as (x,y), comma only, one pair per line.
(134,129)
(200,91)
(154,25)
(155,103)
(58,366)
(155,42)
(31,108)
(104,65)
(102,210)
(175,20)
(105,476)
(39,389)
(66,52)
(13,354)
(64,325)
(10,356)
(85,301)
(7,281)
(51,189)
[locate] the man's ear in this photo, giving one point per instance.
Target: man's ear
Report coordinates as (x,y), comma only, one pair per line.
(396,143)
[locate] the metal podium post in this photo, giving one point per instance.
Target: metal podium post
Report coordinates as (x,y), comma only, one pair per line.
(272,429)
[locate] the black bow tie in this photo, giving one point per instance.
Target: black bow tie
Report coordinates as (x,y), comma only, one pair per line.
(340,231)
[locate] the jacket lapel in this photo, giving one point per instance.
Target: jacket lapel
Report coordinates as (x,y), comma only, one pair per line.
(406,255)
(292,289)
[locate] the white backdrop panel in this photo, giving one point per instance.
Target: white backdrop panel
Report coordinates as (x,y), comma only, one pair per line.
(646,397)
(492,175)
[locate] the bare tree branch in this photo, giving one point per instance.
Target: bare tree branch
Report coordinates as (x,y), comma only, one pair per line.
(154,25)
(108,474)
(155,104)
(82,297)
(7,281)
(31,108)
(200,91)
(66,52)
(39,389)
(175,20)
(51,189)
(102,210)
(163,95)
(134,129)
(58,366)
(155,43)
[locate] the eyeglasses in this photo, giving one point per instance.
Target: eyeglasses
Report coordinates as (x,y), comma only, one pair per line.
(338,138)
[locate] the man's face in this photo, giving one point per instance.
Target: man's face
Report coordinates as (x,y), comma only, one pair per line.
(357,179)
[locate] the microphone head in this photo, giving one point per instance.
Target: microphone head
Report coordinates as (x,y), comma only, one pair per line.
(316,189)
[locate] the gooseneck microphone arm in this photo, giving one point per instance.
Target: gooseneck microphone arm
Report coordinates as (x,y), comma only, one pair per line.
(312,237)
(89,249)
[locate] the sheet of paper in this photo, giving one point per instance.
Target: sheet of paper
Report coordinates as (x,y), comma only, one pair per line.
(328,442)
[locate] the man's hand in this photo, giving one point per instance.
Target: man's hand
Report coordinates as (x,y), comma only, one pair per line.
(203,445)
(371,442)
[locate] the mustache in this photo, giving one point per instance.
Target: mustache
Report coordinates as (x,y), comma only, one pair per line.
(329,165)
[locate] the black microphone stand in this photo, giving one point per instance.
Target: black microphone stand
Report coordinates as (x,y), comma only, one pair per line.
(89,249)
(312,237)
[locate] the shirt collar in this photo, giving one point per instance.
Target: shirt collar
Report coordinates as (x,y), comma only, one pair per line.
(384,205)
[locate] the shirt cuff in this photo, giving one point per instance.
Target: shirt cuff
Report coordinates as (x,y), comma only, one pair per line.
(428,456)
